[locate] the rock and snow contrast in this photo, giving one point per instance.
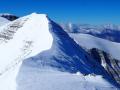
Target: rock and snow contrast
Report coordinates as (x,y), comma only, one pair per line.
(105,51)
(103,44)
(37,54)
(9,17)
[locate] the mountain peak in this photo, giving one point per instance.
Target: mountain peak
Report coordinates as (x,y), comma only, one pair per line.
(37,14)
(35,42)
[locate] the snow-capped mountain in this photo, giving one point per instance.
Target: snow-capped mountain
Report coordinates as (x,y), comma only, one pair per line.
(21,39)
(37,54)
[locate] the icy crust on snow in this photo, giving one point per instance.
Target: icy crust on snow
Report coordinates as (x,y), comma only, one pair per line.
(89,42)
(27,40)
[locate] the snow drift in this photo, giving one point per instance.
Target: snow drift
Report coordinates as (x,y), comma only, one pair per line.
(66,56)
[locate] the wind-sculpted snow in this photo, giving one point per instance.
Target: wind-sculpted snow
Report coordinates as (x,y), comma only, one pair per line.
(37,54)
(21,39)
(66,56)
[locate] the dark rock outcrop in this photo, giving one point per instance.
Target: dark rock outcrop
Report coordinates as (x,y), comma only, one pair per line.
(111,65)
(9,17)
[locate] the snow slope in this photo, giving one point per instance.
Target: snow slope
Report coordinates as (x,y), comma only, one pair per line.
(24,38)
(37,54)
(65,56)
(3,21)
(89,42)
(42,79)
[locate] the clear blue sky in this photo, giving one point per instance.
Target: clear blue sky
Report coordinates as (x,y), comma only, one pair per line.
(76,11)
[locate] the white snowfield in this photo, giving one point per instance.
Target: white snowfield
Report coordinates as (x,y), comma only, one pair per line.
(41,79)
(3,21)
(89,42)
(26,37)
(27,41)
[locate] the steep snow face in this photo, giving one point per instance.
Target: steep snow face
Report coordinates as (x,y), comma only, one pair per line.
(89,42)
(21,39)
(3,21)
(43,44)
(66,56)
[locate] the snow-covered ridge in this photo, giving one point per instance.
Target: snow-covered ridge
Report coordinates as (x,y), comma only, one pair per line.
(27,38)
(33,41)
(66,56)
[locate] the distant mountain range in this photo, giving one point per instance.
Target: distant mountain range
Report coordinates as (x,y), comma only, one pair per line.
(109,31)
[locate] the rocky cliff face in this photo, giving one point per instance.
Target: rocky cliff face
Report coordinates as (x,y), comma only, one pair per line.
(111,65)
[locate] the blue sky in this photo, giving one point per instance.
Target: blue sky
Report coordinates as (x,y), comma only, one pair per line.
(76,11)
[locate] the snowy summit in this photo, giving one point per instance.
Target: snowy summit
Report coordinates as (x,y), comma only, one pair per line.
(37,54)
(24,38)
